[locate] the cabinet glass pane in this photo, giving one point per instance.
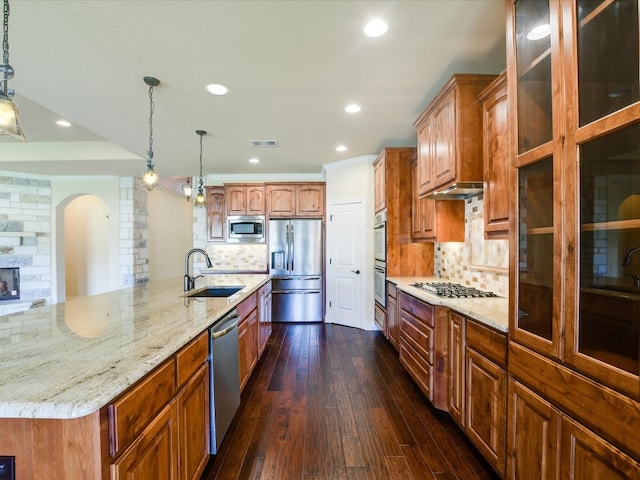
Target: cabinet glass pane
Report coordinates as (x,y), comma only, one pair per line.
(535,248)
(608,63)
(609,321)
(533,64)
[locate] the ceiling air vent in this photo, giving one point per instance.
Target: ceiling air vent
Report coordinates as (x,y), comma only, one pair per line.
(265,143)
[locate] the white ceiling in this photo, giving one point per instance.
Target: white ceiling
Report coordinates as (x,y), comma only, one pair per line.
(291,67)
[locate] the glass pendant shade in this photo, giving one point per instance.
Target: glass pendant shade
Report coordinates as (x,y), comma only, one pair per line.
(150,178)
(187,190)
(200,201)
(9,119)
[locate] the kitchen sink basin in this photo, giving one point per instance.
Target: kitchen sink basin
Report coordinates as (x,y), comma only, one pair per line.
(222,291)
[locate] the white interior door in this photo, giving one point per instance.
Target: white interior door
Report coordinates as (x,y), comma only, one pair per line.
(345,263)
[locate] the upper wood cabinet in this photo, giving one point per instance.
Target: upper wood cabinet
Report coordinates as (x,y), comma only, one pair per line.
(434,220)
(495,127)
(379,192)
(450,134)
(295,199)
(245,199)
(215,208)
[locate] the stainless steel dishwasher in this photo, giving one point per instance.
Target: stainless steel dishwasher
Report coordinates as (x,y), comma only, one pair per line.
(225,376)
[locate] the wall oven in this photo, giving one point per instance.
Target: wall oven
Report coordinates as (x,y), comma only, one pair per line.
(380,237)
(380,283)
(380,258)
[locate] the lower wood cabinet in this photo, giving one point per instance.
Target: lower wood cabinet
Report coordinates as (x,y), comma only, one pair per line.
(546,444)
(423,345)
(247,338)
(380,317)
(393,320)
(264,316)
(477,388)
(159,429)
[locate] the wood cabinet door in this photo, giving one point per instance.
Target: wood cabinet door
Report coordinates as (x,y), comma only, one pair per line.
(310,200)
(247,346)
(264,317)
(416,206)
(532,436)
(586,455)
(425,156)
(281,200)
(496,159)
(444,138)
(236,199)
(380,317)
(255,200)
(193,425)
(456,367)
(379,194)
(153,456)
(215,207)
(393,325)
(485,409)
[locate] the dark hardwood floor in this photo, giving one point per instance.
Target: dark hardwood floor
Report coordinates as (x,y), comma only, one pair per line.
(332,402)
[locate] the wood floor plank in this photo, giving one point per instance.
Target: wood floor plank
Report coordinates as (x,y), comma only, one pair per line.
(398,468)
(330,402)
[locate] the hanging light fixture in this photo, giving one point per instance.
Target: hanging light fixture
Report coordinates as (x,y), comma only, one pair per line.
(200,200)
(150,177)
(187,189)
(9,119)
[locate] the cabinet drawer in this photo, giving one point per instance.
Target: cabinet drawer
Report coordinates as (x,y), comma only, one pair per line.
(191,357)
(488,342)
(418,335)
(392,290)
(421,310)
(248,304)
(418,368)
(131,413)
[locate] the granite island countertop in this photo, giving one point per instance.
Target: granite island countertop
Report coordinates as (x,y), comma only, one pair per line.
(70,359)
(491,311)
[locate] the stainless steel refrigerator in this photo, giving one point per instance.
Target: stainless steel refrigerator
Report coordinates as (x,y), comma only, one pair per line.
(295,261)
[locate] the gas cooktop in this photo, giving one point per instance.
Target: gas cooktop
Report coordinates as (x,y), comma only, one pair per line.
(452,290)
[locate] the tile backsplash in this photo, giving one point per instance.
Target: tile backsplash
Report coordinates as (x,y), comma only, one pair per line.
(477,262)
(249,257)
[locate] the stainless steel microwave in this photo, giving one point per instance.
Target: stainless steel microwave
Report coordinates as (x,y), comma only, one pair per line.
(245,229)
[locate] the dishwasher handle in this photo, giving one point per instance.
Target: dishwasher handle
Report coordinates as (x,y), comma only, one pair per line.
(218,331)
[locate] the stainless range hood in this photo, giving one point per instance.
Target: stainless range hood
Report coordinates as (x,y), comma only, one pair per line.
(457,191)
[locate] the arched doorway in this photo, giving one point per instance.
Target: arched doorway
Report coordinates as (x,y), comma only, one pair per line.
(86,246)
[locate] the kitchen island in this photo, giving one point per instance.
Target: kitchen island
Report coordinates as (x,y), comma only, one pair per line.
(63,364)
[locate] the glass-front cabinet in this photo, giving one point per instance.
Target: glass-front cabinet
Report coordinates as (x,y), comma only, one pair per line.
(574,72)
(603,155)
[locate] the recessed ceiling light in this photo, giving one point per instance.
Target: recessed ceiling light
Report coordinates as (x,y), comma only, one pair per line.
(63,123)
(254,160)
(217,89)
(352,108)
(539,32)
(341,148)
(375,28)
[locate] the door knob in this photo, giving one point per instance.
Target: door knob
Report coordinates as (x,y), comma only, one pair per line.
(357,272)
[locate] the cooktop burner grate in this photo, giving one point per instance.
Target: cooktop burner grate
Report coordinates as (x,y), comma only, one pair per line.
(452,290)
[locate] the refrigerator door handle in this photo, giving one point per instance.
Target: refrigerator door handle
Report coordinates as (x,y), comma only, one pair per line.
(296,292)
(293,253)
(287,247)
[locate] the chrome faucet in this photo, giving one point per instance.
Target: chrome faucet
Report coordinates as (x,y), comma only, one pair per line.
(627,259)
(625,263)
(189,281)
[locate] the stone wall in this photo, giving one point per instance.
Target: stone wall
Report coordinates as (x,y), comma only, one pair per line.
(25,233)
(134,233)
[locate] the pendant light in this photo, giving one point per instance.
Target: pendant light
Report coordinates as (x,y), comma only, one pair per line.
(200,199)
(9,119)
(150,177)
(187,189)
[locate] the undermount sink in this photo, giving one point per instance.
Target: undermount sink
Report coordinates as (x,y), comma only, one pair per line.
(222,291)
